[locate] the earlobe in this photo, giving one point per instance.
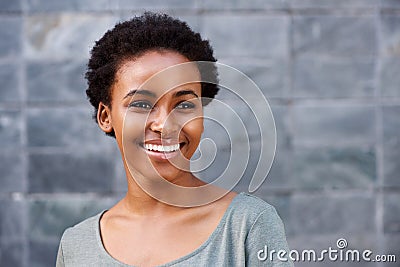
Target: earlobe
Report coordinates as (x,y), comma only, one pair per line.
(104,118)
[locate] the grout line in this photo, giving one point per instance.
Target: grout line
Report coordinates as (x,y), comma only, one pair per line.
(289,116)
(24,137)
(379,141)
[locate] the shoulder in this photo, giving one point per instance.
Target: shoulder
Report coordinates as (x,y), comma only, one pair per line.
(81,233)
(251,207)
(80,243)
(264,228)
(248,212)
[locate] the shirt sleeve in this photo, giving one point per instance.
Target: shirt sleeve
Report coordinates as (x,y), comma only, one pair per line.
(266,243)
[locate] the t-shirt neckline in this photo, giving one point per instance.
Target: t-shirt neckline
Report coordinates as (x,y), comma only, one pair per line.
(221,223)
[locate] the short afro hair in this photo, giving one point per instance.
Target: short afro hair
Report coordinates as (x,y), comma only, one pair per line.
(131,39)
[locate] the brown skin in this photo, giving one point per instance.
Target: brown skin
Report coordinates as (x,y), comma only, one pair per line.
(140,230)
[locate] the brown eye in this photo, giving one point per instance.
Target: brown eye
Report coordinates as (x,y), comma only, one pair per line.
(185,105)
(141,104)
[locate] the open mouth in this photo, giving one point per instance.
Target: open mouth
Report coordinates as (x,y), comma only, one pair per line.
(161,148)
(157,151)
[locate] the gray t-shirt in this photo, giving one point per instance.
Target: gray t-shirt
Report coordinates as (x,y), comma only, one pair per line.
(248,232)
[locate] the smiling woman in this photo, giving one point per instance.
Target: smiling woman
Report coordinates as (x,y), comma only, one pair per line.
(157,118)
(154,109)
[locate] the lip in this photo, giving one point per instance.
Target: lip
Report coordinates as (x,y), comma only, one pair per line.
(164,142)
(157,155)
(161,155)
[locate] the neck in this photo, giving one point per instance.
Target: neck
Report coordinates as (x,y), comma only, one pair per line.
(139,203)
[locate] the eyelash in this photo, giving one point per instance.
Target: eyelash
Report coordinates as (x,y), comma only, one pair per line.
(141,105)
(145,105)
(188,105)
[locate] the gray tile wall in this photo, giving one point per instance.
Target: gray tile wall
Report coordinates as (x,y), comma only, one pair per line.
(330,70)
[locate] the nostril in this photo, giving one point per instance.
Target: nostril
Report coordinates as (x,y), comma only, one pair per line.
(164,127)
(159,120)
(156,126)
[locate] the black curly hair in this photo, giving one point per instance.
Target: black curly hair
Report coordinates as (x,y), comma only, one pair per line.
(131,39)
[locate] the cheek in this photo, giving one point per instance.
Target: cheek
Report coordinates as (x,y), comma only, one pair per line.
(117,124)
(134,126)
(128,125)
(193,130)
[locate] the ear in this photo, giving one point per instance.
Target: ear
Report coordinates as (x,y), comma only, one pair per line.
(104,118)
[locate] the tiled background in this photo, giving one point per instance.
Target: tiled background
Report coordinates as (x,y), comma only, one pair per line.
(331,72)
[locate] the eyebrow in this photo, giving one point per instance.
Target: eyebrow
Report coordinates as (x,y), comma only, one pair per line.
(185,92)
(149,93)
(140,92)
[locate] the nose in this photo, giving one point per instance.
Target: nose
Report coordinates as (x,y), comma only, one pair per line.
(162,121)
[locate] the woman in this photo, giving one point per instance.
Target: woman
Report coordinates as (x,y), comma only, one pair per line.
(157,129)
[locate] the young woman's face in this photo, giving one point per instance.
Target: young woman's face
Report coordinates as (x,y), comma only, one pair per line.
(157,121)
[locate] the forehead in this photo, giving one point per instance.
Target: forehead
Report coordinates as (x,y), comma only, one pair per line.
(157,71)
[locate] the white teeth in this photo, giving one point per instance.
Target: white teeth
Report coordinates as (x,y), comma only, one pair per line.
(161,148)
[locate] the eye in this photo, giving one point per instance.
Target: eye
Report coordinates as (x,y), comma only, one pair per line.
(141,104)
(185,105)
